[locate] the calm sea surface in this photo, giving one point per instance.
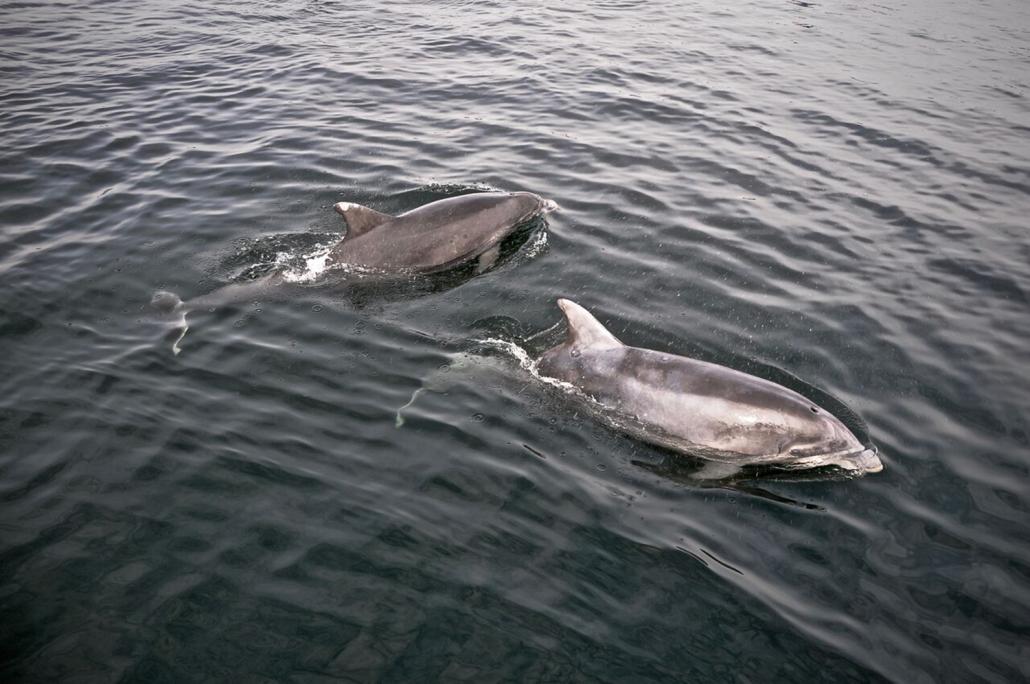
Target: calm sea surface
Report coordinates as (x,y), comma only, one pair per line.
(838,191)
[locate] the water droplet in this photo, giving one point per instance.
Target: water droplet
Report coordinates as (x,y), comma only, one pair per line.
(478,417)
(574,353)
(316,308)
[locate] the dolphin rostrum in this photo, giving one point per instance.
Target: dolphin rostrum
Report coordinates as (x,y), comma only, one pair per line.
(699,408)
(436,236)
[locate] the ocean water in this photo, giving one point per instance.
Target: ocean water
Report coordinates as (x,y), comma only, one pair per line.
(835,191)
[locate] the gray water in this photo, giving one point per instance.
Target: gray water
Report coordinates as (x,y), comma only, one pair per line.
(835,191)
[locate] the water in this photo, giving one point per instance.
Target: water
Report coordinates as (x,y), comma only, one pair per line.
(836,191)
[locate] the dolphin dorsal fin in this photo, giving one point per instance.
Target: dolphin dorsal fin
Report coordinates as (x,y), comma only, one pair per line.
(585,331)
(359,219)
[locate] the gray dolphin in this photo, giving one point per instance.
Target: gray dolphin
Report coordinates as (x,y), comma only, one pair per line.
(436,236)
(703,409)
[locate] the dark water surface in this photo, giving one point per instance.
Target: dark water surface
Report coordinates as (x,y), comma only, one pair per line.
(838,191)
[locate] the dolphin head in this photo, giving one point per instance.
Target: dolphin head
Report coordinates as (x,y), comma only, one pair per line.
(533,204)
(823,440)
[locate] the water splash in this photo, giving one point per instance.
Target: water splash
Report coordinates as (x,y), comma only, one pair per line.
(527,363)
(314,265)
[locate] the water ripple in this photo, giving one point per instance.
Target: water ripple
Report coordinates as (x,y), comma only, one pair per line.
(749,185)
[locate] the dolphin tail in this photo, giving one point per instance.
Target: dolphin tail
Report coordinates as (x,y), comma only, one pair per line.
(171,305)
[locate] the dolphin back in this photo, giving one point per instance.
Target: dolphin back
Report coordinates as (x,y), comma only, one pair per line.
(435,236)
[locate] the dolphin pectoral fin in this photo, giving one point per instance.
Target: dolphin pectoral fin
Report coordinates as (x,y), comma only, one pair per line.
(359,219)
(487,259)
(585,331)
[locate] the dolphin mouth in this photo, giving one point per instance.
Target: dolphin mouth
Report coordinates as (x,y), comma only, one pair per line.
(858,462)
(869,461)
(865,461)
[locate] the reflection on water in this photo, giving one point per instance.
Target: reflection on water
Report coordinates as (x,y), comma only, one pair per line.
(839,192)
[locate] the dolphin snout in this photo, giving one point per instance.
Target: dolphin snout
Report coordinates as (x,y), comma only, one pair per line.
(865,461)
(545,206)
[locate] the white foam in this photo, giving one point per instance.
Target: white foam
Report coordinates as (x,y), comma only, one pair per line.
(536,244)
(314,265)
(527,363)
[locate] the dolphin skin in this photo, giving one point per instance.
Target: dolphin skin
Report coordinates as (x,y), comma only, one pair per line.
(699,408)
(436,236)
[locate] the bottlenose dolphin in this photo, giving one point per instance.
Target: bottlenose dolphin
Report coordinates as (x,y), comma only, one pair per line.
(431,239)
(702,409)
(436,236)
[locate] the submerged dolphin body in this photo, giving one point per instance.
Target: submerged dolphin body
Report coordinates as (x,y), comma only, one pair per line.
(436,236)
(702,409)
(171,306)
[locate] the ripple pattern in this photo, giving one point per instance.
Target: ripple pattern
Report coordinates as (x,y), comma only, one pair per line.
(840,192)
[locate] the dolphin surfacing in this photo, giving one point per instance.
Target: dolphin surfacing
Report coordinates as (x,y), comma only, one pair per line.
(699,408)
(436,236)
(433,238)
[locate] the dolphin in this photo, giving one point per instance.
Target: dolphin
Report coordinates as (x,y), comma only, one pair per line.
(729,418)
(433,238)
(436,236)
